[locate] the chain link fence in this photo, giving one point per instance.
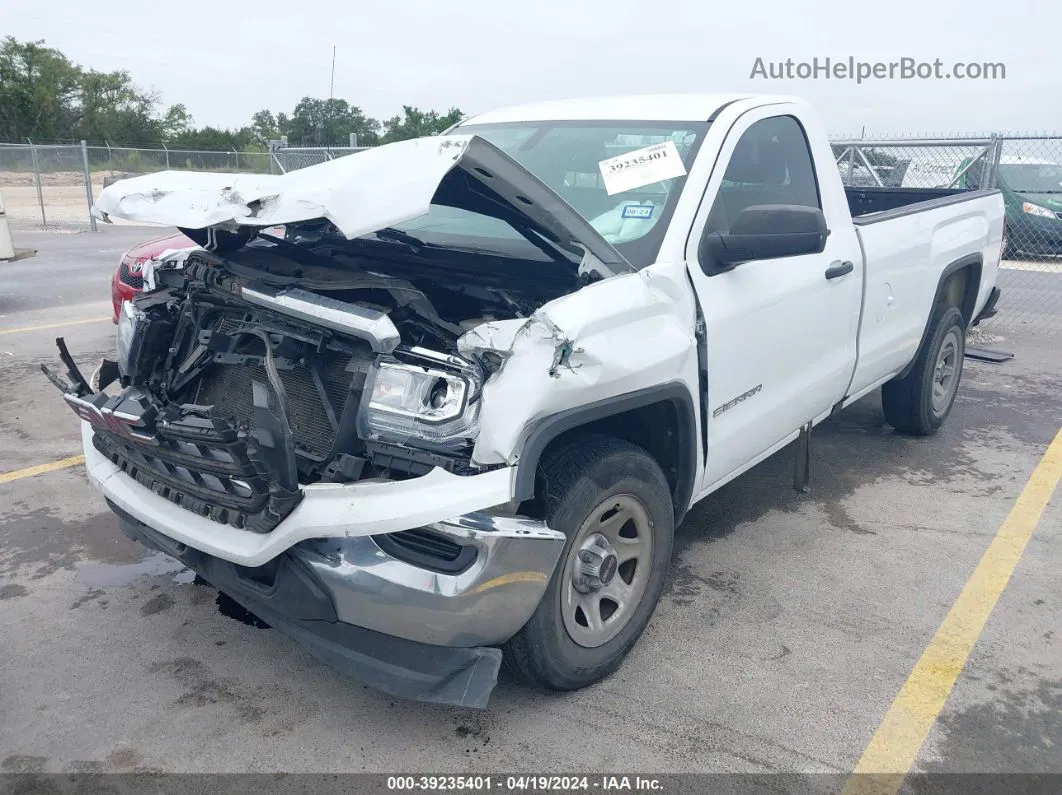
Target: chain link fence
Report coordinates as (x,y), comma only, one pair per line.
(46,185)
(1027,170)
(54,186)
(1029,175)
(291,158)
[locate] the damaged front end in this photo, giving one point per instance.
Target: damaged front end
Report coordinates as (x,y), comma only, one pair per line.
(326,423)
(237,399)
(236,392)
(259,365)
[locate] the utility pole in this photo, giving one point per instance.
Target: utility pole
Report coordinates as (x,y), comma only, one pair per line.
(332,84)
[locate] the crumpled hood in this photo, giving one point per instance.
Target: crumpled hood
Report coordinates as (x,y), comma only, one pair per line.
(359,193)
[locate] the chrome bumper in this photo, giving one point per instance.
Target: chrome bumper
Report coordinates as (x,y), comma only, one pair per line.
(329,604)
(484,605)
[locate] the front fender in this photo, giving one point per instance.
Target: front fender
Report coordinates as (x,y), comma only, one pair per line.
(618,336)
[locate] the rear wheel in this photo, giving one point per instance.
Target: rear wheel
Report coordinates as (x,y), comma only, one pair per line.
(921,401)
(613,502)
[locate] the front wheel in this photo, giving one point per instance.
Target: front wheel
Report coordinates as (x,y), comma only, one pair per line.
(921,401)
(613,502)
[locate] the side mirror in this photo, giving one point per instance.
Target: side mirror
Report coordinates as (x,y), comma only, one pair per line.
(765,231)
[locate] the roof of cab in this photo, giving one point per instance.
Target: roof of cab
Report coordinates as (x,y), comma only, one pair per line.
(635,107)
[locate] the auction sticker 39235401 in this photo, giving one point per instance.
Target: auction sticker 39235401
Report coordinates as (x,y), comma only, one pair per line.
(641,167)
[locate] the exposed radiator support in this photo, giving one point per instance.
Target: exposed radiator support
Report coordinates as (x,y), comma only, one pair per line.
(375,327)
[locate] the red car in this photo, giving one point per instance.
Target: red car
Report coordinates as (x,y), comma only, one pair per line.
(128,278)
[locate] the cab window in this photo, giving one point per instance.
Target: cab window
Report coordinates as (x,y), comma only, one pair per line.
(771,164)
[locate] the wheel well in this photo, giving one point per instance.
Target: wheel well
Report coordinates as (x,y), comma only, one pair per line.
(664,428)
(959,289)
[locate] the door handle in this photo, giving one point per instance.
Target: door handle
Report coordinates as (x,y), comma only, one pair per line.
(839,269)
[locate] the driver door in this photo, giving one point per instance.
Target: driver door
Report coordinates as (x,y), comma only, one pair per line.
(780,332)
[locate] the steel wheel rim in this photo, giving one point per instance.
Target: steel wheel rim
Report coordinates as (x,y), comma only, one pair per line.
(598,595)
(946,373)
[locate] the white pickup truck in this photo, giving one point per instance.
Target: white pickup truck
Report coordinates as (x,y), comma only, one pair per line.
(457,408)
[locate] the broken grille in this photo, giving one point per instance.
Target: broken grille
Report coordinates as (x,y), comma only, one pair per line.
(213,476)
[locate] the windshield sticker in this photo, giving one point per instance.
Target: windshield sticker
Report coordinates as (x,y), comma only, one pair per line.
(638,211)
(641,167)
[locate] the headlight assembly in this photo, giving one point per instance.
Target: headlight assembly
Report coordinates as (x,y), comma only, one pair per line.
(1037,210)
(425,402)
(131,323)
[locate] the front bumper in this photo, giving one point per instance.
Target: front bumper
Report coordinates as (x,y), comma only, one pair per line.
(327,510)
(485,604)
(331,535)
(326,578)
(288,596)
(1035,235)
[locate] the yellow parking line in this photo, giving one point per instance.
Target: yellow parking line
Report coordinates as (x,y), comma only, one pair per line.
(53,325)
(28,472)
(895,745)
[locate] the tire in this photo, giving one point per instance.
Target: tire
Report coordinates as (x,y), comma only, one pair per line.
(920,402)
(587,480)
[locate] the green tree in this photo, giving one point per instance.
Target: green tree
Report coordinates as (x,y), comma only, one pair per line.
(264,126)
(416,123)
(212,138)
(38,90)
(112,108)
(176,122)
(46,97)
(329,122)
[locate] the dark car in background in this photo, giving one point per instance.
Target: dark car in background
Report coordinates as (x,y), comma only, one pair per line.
(1032,195)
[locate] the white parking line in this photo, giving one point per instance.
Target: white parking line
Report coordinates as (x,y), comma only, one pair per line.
(1038,267)
(46,326)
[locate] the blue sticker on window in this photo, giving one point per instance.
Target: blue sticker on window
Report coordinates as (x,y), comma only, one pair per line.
(638,211)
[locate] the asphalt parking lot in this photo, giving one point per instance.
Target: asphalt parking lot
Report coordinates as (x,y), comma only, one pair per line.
(789,626)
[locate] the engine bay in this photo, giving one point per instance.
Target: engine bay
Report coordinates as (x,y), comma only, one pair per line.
(247,374)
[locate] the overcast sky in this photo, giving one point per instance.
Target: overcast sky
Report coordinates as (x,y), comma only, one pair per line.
(226,60)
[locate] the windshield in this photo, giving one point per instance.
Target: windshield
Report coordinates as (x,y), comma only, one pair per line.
(1032,177)
(566,157)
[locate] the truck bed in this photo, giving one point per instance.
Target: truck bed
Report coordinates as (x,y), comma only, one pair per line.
(906,250)
(872,205)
